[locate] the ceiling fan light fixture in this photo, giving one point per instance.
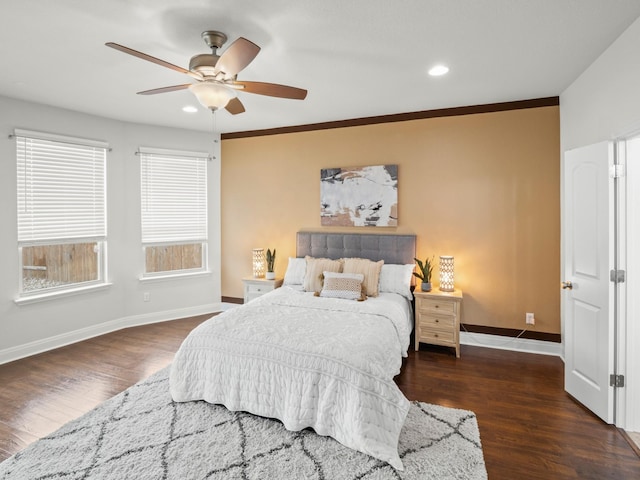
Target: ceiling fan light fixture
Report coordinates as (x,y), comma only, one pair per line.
(212,95)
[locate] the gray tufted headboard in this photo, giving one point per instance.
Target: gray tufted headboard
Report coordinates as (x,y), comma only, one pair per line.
(397,249)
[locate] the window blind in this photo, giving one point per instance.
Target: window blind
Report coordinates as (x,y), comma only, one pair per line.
(61,189)
(173,197)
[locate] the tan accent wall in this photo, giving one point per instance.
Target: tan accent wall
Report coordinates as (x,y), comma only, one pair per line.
(484,188)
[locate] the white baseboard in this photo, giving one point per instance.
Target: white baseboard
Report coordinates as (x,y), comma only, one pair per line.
(540,347)
(57,341)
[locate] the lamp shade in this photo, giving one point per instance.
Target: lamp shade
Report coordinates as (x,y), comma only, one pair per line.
(446,273)
(258,262)
(212,95)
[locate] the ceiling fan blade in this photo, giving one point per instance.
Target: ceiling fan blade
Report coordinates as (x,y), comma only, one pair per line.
(155,60)
(237,56)
(273,90)
(165,89)
(235,106)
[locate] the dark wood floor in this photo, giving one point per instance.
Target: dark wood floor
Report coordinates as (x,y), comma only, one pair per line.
(529,427)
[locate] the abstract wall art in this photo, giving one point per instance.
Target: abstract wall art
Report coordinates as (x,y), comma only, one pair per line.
(359,196)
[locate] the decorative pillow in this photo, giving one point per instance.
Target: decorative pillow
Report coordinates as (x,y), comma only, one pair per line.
(370,270)
(314,272)
(295,271)
(342,285)
(396,279)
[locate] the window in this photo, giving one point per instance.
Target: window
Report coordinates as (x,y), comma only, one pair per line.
(61,212)
(174,212)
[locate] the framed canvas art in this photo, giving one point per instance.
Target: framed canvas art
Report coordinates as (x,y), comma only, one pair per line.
(359,196)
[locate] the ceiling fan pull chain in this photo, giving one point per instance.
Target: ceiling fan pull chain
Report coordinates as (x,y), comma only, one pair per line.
(215,138)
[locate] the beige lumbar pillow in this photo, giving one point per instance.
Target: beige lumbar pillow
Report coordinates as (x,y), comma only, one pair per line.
(314,273)
(347,286)
(368,268)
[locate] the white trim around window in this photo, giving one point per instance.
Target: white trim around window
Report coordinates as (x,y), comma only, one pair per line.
(173,199)
(61,213)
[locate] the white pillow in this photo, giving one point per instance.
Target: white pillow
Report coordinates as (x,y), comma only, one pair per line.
(296,269)
(396,279)
(342,285)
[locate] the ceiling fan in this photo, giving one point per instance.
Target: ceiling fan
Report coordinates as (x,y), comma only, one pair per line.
(216,75)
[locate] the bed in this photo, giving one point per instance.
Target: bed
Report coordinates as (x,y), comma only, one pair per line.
(309,357)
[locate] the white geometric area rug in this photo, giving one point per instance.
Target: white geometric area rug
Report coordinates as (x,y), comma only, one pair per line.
(142,434)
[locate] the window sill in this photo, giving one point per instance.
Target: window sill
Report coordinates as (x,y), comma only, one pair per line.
(27,299)
(174,276)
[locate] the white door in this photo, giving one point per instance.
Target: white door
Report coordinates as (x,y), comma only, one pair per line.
(587,229)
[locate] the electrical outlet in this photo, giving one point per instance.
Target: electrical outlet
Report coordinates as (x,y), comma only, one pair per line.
(530,319)
(146,297)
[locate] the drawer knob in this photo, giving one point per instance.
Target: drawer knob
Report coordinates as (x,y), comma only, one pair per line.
(436,335)
(437,306)
(437,321)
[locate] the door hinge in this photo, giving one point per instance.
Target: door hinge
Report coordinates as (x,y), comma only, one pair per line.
(616,171)
(617,276)
(616,381)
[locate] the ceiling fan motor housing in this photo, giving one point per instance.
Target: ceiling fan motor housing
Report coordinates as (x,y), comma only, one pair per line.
(204,63)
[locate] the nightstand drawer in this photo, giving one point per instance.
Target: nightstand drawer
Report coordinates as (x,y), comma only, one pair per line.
(445,322)
(437,336)
(436,306)
(258,289)
(250,296)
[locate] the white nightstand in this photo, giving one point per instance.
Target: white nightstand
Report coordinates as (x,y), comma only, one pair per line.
(256,287)
(437,318)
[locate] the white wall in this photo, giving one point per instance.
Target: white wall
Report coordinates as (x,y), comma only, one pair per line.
(604,104)
(28,328)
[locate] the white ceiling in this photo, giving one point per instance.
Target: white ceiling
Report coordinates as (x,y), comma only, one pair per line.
(357,58)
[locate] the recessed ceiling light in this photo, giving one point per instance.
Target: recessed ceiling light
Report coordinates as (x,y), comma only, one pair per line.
(438,70)
(189,109)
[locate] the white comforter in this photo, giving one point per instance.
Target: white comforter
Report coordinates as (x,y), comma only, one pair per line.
(308,361)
